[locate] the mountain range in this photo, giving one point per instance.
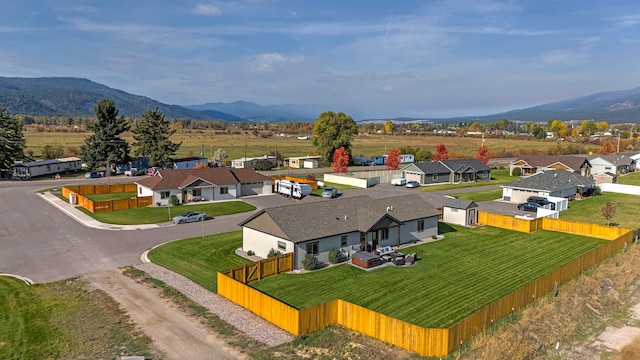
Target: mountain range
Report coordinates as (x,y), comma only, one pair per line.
(71,97)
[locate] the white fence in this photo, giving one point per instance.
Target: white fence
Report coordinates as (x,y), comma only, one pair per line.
(620,188)
(349,179)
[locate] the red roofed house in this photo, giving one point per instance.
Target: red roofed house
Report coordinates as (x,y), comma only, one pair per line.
(207,184)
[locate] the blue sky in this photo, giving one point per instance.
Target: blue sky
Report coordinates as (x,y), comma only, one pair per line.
(378,58)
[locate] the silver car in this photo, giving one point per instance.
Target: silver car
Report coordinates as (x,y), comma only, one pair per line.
(329,192)
(190,216)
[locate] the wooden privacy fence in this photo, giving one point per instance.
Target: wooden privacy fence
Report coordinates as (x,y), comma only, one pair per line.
(312,183)
(424,341)
(261,269)
(108,205)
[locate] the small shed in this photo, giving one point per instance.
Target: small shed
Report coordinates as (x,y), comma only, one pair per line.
(605,178)
(460,212)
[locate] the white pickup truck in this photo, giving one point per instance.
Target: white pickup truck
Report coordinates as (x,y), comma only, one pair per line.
(399,182)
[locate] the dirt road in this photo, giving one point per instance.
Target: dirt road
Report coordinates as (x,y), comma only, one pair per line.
(173,333)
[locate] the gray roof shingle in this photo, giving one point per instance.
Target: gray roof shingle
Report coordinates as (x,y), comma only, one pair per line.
(552,180)
(456,203)
(308,221)
(177,179)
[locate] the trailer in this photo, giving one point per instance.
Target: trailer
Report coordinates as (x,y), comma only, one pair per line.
(28,170)
(292,189)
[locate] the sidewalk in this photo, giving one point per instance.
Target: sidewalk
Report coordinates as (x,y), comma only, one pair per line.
(87,220)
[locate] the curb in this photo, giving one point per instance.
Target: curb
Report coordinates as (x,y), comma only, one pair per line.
(25,279)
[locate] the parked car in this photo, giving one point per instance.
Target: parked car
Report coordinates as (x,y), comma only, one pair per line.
(528,206)
(542,201)
(134,172)
(190,216)
(329,192)
(412,184)
(153,170)
(399,182)
(92,175)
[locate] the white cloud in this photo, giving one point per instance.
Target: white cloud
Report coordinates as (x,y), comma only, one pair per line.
(267,62)
(206,10)
(627,20)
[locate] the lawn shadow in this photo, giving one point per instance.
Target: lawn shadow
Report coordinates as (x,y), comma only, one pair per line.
(444,228)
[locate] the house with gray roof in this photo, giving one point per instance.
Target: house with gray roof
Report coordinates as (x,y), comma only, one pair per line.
(348,224)
(205,184)
(446,171)
(460,212)
(615,163)
(530,164)
(556,183)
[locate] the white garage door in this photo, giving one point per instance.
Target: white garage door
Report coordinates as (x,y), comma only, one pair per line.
(412,177)
(251,189)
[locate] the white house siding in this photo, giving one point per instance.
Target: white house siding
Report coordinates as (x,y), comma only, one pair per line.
(454,216)
(599,166)
(165,201)
(410,232)
(232,193)
(507,194)
(324,244)
(144,191)
(261,243)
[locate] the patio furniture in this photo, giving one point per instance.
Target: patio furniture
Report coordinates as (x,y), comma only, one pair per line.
(397,258)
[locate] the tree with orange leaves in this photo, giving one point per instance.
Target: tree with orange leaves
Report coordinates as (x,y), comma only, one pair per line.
(441,153)
(201,165)
(340,161)
(392,162)
(483,154)
(606,148)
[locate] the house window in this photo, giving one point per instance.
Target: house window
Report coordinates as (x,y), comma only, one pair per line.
(343,241)
(164,194)
(384,234)
(420,225)
(140,190)
(282,245)
(224,190)
(196,192)
(312,248)
(607,167)
(435,177)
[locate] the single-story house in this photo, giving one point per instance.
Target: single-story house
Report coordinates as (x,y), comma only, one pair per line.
(531,164)
(348,224)
(27,170)
(558,183)
(447,171)
(460,212)
(206,184)
(307,162)
(188,163)
(616,163)
(250,163)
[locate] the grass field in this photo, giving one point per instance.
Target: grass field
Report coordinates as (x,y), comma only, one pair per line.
(479,196)
(498,176)
(454,278)
(154,215)
(588,210)
(196,141)
(200,259)
(111,196)
(63,320)
(630,179)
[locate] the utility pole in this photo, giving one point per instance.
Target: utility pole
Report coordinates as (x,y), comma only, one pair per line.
(618,140)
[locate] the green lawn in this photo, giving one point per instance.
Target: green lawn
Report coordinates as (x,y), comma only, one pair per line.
(588,210)
(112,196)
(200,259)
(62,320)
(454,278)
(630,179)
(478,196)
(153,215)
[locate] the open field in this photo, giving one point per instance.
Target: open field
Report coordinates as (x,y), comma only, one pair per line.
(63,320)
(154,215)
(195,142)
(630,179)
(454,278)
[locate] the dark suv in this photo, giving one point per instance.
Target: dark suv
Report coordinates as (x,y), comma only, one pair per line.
(542,201)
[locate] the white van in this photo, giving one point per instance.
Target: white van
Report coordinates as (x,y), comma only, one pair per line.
(399,182)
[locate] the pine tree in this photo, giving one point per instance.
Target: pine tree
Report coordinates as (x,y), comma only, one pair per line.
(12,141)
(152,138)
(105,147)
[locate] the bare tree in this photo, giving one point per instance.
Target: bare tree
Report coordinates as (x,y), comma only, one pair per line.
(608,211)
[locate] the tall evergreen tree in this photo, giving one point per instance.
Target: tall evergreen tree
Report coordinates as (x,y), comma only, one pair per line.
(105,147)
(12,141)
(152,138)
